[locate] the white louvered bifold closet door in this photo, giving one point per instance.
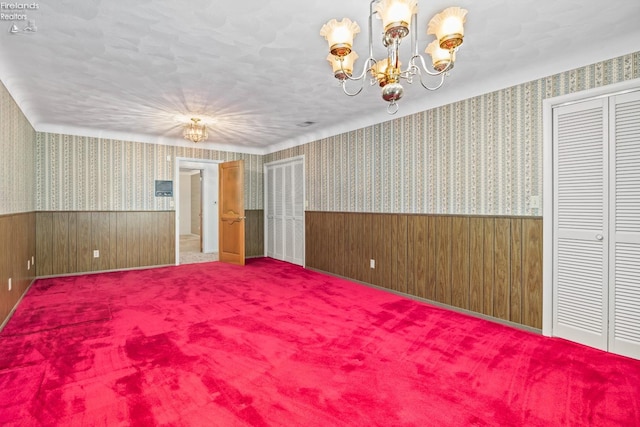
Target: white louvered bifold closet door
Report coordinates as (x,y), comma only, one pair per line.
(278,193)
(580,311)
(298,213)
(270,223)
(624,245)
(284,199)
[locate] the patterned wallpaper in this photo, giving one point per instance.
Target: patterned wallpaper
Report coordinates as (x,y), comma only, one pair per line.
(17,142)
(478,156)
(83,173)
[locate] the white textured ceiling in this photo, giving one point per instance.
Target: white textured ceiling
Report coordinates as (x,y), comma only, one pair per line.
(253,70)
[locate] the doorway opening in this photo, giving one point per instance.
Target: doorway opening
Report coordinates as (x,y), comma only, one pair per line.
(196,197)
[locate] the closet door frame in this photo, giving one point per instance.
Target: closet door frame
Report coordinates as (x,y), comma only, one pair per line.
(548,202)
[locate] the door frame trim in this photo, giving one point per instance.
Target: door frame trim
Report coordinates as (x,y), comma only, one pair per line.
(185,162)
(548,161)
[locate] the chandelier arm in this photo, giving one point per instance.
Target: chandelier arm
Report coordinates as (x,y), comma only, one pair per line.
(365,69)
(426,69)
(346,92)
(442,77)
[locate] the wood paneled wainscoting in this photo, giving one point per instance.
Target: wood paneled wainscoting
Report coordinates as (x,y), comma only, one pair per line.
(17,254)
(488,265)
(254,233)
(66,240)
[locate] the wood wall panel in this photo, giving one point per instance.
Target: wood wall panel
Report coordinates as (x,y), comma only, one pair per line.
(489,265)
(254,233)
(72,248)
(17,251)
(502,268)
(123,239)
(443,259)
(6,266)
(488,279)
(166,240)
(460,262)
(532,273)
(132,240)
(516,271)
(399,253)
(82,250)
(311,239)
(417,250)
(335,254)
(359,247)
(431,257)
(150,241)
(100,238)
(113,241)
(44,249)
(381,226)
(476,264)
(60,246)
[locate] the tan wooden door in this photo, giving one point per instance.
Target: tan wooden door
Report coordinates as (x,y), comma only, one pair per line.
(231,224)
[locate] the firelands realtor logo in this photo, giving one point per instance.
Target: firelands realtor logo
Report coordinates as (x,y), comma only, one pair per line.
(17,12)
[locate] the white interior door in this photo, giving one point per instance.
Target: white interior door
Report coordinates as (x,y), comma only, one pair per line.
(624,244)
(284,205)
(581,222)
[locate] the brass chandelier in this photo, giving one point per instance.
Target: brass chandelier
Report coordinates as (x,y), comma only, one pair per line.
(195,132)
(397,18)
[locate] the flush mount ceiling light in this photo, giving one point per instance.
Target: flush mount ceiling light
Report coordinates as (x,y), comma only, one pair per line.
(397,17)
(195,132)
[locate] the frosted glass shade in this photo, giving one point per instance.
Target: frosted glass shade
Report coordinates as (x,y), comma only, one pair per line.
(344,69)
(440,57)
(396,12)
(448,27)
(339,35)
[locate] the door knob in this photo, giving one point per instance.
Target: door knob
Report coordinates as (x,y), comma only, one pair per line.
(599,237)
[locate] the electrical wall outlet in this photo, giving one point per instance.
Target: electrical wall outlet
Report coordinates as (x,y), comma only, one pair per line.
(9,285)
(372,263)
(96,253)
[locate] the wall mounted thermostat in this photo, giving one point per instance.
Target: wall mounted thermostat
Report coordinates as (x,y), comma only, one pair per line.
(164,188)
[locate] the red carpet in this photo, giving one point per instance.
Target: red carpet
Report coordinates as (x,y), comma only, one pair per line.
(272,344)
